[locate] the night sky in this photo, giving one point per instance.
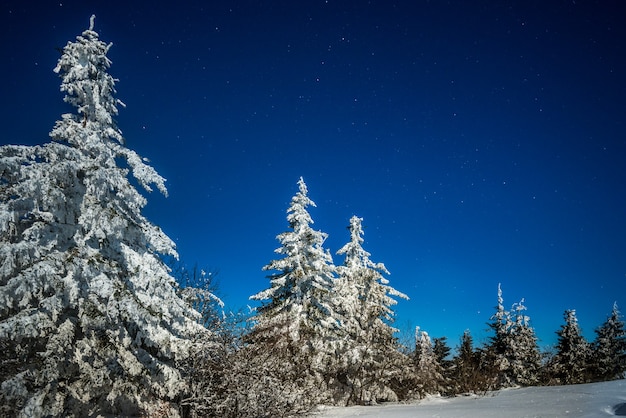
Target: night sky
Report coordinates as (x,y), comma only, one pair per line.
(482,142)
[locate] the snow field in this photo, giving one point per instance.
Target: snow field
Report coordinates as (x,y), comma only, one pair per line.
(604,399)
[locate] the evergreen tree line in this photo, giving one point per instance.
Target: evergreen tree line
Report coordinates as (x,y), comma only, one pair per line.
(93,322)
(511,356)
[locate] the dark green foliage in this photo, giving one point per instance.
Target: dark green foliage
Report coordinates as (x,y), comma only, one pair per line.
(570,363)
(469,372)
(442,351)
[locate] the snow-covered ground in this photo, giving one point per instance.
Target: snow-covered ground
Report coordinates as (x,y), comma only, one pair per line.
(590,400)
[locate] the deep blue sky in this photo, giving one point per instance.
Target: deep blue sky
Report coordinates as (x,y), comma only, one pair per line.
(482,142)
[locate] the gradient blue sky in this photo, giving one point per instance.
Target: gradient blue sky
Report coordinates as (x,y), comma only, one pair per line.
(482,142)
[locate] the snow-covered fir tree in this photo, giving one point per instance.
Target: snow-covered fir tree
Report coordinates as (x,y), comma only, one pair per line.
(570,362)
(90,320)
(430,377)
(524,355)
(609,348)
(370,354)
(298,318)
(512,353)
(498,351)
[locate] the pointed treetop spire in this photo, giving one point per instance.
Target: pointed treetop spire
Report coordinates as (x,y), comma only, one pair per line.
(302,186)
(356,229)
(356,256)
(92,21)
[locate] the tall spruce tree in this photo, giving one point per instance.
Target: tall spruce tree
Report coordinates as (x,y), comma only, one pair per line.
(430,377)
(297,319)
(609,348)
(512,355)
(442,353)
(467,374)
(370,352)
(90,320)
(498,351)
(525,358)
(570,362)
